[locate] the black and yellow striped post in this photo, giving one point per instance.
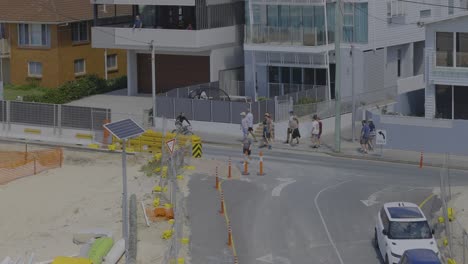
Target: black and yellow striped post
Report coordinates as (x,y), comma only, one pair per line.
(197,149)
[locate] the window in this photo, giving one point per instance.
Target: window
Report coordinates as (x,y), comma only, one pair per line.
(444,98)
(80,32)
(462,49)
(2,31)
(34,69)
(395,8)
(33,35)
(80,67)
(444,49)
(112,62)
(451,3)
(409,230)
(385,221)
(399,62)
(425,13)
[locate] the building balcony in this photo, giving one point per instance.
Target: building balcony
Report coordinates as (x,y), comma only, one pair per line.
(410,84)
(146,2)
(290,36)
(4,48)
(170,40)
(445,68)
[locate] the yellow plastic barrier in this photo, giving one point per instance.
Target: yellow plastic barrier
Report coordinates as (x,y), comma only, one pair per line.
(450,214)
(32,131)
(93,146)
(167,234)
(451,261)
(156,202)
(69,260)
(84,136)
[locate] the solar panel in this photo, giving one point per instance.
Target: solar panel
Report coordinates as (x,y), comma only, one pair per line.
(124,129)
(404,212)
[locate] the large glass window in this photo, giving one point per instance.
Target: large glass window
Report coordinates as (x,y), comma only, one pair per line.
(34,69)
(272,16)
(443,101)
(33,35)
(460,101)
(444,48)
(462,49)
(360,23)
(273,74)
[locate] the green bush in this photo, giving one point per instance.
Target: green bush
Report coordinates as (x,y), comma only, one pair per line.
(77,89)
(306,100)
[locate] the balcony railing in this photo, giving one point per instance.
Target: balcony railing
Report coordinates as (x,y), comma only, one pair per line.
(295,36)
(444,70)
(4,48)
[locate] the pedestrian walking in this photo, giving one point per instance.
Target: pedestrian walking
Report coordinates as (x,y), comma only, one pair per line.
(250,123)
(247,148)
(244,125)
(365,131)
(294,128)
(267,129)
(315,131)
(372,133)
(320,131)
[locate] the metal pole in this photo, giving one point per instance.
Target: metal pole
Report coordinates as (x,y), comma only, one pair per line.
(153,79)
(124,199)
(338,28)
(105,63)
(353,113)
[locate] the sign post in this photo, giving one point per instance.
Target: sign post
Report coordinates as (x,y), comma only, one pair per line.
(381,139)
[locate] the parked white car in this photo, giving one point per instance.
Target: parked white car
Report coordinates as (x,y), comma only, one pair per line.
(401,226)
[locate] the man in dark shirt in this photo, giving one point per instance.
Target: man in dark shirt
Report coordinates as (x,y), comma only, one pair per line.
(181,118)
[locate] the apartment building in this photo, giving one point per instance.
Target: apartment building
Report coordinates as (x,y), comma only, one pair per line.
(195,41)
(289,45)
(446,75)
(49,43)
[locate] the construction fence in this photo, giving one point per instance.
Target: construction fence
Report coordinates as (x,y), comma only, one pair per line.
(454,235)
(18,164)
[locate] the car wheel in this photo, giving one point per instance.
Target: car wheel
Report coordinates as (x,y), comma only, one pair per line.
(376,241)
(386,259)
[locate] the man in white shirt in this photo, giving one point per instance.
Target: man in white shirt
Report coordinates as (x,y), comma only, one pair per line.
(249,117)
(315,131)
(244,125)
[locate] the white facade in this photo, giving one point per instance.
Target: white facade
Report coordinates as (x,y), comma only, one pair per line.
(446,73)
(195,38)
(392,54)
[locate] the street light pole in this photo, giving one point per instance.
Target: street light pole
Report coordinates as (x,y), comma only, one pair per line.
(338,29)
(124,200)
(153,80)
(353,113)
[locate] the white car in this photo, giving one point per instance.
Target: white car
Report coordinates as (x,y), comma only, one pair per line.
(402,226)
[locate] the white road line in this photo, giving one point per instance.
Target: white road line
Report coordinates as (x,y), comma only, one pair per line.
(277,190)
(323,220)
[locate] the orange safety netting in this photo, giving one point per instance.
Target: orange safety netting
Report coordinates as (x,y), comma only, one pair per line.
(18,164)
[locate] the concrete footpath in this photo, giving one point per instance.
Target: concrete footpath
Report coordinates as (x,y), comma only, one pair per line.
(349,149)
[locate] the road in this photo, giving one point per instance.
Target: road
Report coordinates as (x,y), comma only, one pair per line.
(309,208)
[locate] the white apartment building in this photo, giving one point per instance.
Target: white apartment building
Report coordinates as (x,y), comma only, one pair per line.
(287,41)
(446,73)
(195,41)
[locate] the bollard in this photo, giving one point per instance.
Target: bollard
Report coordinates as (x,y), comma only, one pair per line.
(229,243)
(217,179)
(221,211)
(35,166)
(260,173)
(61,157)
(236,260)
(421,160)
(229,169)
(246,168)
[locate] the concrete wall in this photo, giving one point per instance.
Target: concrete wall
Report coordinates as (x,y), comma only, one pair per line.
(411,103)
(417,134)
(225,58)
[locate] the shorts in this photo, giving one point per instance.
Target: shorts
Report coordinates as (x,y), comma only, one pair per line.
(250,129)
(248,151)
(315,136)
(364,141)
(267,135)
(319,135)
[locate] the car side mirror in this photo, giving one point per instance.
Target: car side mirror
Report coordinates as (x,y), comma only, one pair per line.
(384,232)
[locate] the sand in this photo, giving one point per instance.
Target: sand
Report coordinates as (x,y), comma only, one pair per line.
(40,213)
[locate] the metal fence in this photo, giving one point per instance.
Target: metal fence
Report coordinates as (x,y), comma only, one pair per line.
(317,93)
(214,111)
(232,88)
(326,109)
(52,115)
(453,231)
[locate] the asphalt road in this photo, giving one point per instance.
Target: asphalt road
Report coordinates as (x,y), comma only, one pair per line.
(308,208)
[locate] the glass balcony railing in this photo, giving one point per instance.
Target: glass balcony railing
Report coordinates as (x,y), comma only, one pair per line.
(295,36)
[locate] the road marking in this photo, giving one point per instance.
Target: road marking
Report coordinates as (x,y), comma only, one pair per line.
(226,217)
(270,259)
(323,220)
(372,199)
(285,181)
(426,200)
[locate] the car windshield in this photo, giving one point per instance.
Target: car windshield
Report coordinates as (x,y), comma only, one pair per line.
(409,230)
